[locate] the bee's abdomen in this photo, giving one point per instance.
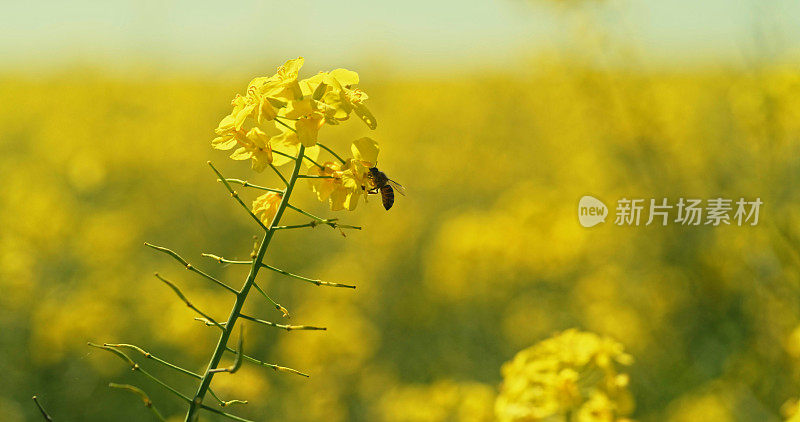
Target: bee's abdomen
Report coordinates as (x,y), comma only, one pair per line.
(387,196)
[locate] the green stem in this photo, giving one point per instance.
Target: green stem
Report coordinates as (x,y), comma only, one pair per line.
(306,279)
(235,196)
(318,282)
(281,326)
(275,304)
(297,226)
(304,156)
(247,184)
(41,409)
(278,172)
(189,266)
(145,398)
(320,219)
(187,302)
(276,368)
(267,323)
(149,355)
(222,260)
(236,363)
(222,344)
(282,123)
(332,153)
(313,176)
(332,223)
(321,146)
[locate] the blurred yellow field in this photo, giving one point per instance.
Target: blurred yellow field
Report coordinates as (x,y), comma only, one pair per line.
(513,211)
(482,259)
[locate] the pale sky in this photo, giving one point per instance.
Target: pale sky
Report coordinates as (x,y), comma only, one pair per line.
(407,36)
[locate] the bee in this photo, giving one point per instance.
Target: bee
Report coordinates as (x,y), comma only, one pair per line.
(385,186)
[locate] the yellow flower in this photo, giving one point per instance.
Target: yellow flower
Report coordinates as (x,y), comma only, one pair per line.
(255,147)
(306,120)
(287,113)
(336,91)
(264,94)
(346,182)
(352,186)
(266,205)
(342,189)
(324,187)
(570,372)
(242,108)
(262,106)
(352,100)
(229,136)
(260,145)
(284,84)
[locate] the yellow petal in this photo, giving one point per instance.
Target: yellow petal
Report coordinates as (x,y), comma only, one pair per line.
(242,115)
(241,153)
(276,102)
(257,136)
(265,111)
(345,77)
(308,128)
(364,114)
(312,153)
(333,82)
(261,161)
(301,108)
(337,199)
(352,200)
(310,85)
(323,188)
(226,124)
(224,142)
(365,150)
(291,68)
(285,91)
(282,143)
(319,91)
(336,104)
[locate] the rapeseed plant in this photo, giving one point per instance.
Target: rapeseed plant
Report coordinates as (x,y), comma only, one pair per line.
(572,376)
(276,122)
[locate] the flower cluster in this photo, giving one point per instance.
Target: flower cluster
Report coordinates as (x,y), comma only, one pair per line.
(570,376)
(279,113)
(343,183)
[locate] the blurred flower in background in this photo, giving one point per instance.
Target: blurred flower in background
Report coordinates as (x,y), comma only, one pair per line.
(571,375)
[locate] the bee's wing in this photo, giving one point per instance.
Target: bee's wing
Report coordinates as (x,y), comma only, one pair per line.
(398,187)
